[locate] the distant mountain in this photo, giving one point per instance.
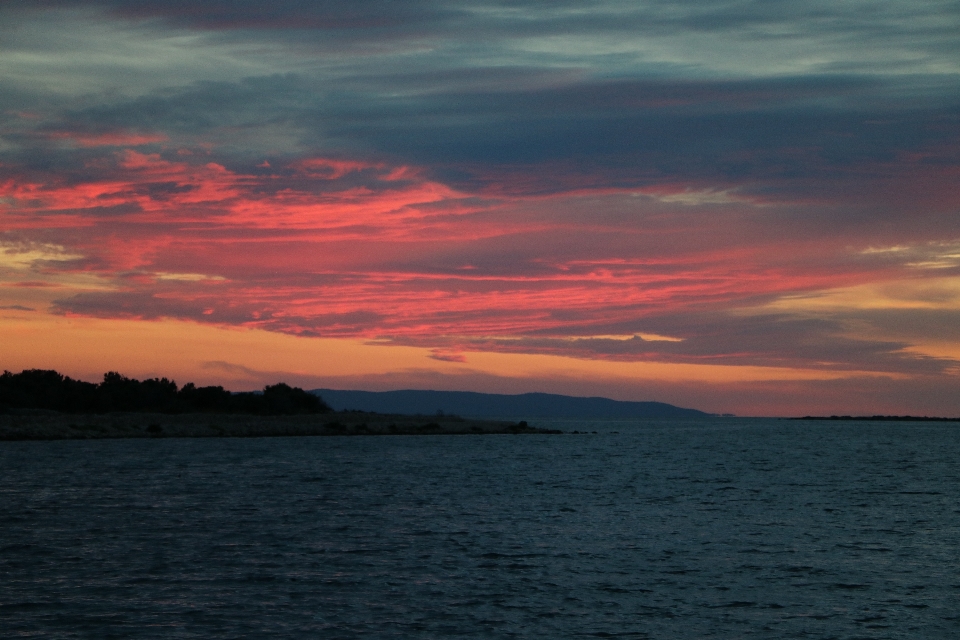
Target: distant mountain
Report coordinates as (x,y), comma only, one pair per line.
(495,405)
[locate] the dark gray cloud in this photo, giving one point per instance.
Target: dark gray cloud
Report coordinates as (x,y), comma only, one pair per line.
(762,18)
(774,136)
(628,93)
(282,14)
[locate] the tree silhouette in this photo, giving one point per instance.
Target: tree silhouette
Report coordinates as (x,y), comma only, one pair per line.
(50,390)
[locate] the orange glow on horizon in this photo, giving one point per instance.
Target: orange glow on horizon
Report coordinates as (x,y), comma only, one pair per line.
(86,347)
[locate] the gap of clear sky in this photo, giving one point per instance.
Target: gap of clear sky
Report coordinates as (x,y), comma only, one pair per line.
(738,206)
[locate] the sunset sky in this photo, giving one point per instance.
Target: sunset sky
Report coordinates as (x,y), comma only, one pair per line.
(738,206)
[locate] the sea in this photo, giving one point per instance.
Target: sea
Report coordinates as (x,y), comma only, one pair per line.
(716,528)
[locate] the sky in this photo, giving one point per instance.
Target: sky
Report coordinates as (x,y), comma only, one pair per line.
(739,206)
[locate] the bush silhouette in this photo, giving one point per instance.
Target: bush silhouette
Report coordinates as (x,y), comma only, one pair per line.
(282,398)
(205,399)
(46,389)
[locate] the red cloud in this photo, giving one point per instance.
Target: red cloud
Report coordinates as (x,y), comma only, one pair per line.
(340,247)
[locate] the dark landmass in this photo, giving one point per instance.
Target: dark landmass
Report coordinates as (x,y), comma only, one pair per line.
(49,425)
(493,405)
(49,390)
(881,418)
(41,404)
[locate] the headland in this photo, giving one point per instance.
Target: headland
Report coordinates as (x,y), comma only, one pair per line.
(46,405)
(43,425)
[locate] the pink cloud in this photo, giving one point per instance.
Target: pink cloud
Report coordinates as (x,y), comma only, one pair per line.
(349,248)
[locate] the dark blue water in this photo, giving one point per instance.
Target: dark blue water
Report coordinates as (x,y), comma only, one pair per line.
(726,529)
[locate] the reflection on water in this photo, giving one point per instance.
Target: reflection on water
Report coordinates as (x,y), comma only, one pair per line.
(725,528)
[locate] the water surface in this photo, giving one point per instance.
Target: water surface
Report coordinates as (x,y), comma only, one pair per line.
(720,528)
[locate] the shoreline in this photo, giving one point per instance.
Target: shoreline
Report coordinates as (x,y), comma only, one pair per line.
(879,418)
(58,426)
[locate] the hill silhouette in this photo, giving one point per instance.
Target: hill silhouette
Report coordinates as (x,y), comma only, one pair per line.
(493,405)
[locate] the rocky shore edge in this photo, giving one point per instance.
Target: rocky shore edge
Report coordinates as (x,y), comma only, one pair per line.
(59,426)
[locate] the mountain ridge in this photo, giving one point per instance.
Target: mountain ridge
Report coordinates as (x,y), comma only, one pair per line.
(497,405)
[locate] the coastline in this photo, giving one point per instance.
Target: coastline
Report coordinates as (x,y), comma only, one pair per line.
(880,418)
(60,426)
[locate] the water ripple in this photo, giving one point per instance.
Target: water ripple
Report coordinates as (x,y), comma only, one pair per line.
(727,528)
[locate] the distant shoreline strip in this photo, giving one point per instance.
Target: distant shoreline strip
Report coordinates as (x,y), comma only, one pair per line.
(881,418)
(49,426)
